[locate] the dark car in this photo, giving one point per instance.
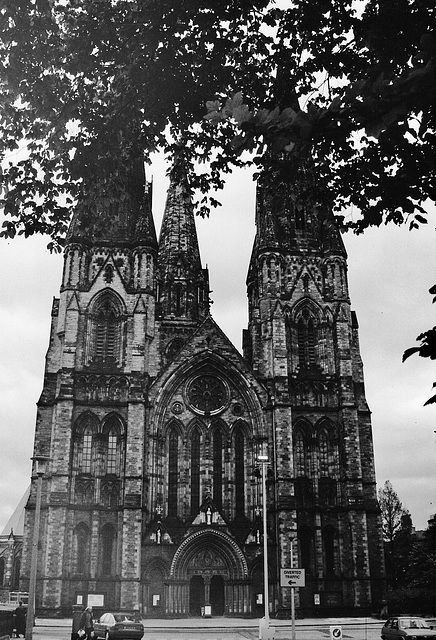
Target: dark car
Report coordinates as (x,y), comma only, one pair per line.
(118,626)
(407,627)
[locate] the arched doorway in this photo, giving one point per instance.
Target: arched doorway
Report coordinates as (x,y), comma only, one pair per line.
(208,569)
(217,599)
(196,595)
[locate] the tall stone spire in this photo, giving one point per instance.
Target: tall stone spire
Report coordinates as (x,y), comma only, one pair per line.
(183,283)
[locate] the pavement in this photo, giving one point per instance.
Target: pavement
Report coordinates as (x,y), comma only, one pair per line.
(229,629)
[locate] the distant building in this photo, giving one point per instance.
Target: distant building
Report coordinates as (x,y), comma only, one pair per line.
(154,422)
(11,546)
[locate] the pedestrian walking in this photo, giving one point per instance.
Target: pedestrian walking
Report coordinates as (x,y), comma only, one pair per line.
(86,623)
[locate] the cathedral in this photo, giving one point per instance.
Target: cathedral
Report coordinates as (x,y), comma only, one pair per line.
(154,422)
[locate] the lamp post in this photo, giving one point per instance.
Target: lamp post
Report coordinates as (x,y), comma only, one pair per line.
(264,631)
(40,470)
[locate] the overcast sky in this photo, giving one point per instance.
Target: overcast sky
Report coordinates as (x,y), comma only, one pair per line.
(390,272)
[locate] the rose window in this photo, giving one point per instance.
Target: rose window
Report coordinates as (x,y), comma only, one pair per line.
(207,394)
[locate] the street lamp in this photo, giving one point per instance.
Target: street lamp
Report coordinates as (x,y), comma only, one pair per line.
(40,470)
(264,630)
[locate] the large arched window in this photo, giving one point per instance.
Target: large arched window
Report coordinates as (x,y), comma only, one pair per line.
(85,432)
(329,536)
(173,471)
(106,330)
(218,467)
(107,550)
(323,454)
(307,338)
(195,471)
(81,546)
(300,454)
(112,445)
(239,472)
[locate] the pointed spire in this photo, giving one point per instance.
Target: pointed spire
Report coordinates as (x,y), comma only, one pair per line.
(184,284)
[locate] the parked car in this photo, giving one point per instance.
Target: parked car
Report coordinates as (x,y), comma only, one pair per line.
(407,627)
(118,626)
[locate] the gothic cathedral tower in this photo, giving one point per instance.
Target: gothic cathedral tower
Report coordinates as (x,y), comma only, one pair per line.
(154,422)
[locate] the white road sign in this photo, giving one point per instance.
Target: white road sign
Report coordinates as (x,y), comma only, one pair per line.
(292,578)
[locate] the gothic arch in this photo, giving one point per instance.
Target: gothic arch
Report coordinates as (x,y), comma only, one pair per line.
(107,295)
(326,424)
(173,425)
(209,363)
(217,542)
(85,420)
(195,424)
(242,426)
(113,420)
(303,425)
(308,305)
(104,336)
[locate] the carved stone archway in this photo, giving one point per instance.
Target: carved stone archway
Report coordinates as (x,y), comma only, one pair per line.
(217,558)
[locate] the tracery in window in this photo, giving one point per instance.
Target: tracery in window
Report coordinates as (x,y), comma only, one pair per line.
(112,443)
(300,454)
(85,430)
(207,394)
(306,337)
(106,330)
(323,454)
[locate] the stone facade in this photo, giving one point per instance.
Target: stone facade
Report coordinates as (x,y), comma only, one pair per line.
(154,422)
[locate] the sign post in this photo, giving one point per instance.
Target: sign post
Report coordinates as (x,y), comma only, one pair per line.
(292,578)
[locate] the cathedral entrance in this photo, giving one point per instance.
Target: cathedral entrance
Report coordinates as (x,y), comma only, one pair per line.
(196,595)
(217,599)
(208,570)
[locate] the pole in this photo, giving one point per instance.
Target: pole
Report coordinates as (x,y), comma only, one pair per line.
(34,560)
(265,547)
(292,592)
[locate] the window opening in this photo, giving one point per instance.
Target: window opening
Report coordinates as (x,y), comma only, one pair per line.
(195,472)
(239,474)
(218,468)
(173,471)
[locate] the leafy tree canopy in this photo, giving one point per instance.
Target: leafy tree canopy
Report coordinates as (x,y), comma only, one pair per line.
(394,516)
(89,86)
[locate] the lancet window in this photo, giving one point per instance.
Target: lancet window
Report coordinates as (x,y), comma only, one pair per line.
(173,471)
(218,467)
(107,550)
(84,444)
(105,339)
(239,441)
(195,471)
(81,546)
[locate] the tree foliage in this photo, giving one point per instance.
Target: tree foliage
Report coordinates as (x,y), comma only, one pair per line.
(392,511)
(427,348)
(410,557)
(88,87)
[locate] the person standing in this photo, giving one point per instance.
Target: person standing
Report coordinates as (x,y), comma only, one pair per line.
(86,623)
(20,620)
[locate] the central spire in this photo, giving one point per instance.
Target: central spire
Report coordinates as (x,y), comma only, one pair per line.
(183,283)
